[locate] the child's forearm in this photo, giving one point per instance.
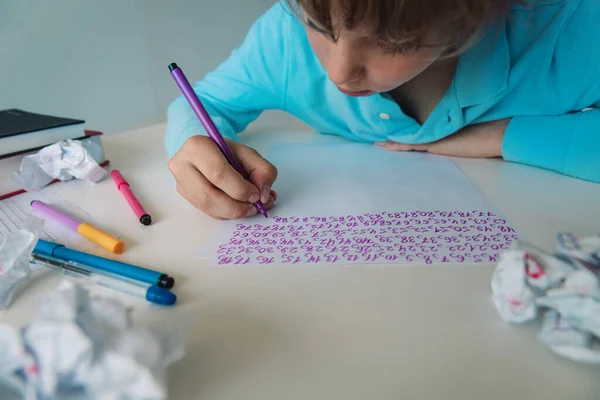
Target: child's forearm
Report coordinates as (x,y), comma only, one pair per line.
(250,81)
(182,123)
(569,144)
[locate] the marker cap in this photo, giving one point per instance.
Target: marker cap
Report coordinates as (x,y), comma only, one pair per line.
(46,248)
(101,238)
(160,296)
(118,178)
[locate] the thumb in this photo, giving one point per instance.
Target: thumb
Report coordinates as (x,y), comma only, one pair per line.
(261,172)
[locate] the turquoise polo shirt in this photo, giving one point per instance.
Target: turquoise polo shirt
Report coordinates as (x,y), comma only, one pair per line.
(541,66)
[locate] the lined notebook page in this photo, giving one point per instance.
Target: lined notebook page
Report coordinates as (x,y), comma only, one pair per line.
(14,210)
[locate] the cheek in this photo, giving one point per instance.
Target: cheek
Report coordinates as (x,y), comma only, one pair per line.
(395,71)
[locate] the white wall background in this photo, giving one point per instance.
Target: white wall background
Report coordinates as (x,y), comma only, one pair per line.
(106,61)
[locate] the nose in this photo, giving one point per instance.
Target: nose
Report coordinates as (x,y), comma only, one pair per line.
(344,65)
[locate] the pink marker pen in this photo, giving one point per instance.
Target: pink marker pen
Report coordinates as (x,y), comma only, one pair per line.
(137,208)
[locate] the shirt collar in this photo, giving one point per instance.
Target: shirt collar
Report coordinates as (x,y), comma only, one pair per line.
(482,71)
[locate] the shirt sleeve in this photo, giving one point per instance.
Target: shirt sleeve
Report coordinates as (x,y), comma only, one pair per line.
(568,143)
(251,80)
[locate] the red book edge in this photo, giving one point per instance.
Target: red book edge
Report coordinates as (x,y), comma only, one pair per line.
(88,133)
(92,133)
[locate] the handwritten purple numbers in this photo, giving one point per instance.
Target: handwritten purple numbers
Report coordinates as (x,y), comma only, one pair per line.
(401,238)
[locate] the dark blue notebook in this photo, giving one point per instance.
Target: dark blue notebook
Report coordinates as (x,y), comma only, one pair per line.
(16,122)
(22,130)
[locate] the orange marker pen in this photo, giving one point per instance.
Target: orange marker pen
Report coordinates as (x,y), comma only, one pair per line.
(86,230)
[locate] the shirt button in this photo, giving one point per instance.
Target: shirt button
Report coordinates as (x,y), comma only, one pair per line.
(384,116)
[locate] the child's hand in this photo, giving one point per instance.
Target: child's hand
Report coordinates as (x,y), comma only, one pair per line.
(474,141)
(211,184)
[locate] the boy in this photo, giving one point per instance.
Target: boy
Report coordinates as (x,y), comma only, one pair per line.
(467,78)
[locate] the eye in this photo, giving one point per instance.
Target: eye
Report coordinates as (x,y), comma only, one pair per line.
(314,27)
(311,25)
(390,50)
(395,49)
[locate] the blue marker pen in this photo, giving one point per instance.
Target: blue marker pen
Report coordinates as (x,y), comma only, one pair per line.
(81,273)
(104,264)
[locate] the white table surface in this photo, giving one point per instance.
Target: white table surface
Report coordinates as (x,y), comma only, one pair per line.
(337,332)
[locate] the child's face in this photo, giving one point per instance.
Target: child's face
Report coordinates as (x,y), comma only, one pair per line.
(359,66)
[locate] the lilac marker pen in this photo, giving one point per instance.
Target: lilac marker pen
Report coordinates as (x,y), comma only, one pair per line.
(208,124)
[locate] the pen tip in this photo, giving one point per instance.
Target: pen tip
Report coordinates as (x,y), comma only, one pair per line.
(172,66)
(165,281)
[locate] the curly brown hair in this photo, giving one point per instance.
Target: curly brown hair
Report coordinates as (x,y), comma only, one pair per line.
(406,24)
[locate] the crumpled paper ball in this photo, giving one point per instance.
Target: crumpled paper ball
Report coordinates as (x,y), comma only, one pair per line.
(64,160)
(15,249)
(78,346)
(563,288)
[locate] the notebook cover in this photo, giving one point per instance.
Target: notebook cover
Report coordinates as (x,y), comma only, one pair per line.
(17,122)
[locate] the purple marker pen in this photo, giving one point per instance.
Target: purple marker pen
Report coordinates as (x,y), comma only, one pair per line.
(208,124)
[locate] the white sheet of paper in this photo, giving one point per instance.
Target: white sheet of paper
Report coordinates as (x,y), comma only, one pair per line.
(14,210)
(357,203)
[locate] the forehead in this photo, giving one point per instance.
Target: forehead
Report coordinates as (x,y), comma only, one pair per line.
(340,16)
(420,23)
(336,12)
